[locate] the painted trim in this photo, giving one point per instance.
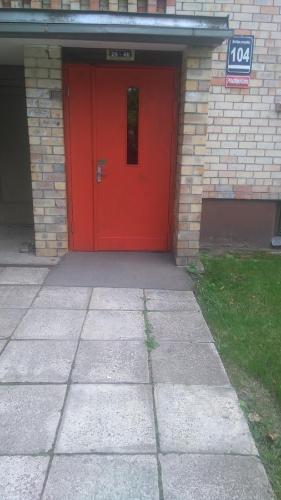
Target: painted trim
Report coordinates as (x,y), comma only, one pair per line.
(112,26)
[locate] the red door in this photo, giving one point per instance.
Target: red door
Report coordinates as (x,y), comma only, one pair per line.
(119,143)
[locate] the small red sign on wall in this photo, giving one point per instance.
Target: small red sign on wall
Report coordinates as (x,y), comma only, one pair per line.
(237,81)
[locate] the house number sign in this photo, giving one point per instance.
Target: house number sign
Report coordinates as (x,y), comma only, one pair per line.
(240,55)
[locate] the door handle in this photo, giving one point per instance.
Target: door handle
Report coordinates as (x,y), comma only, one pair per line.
(100,170)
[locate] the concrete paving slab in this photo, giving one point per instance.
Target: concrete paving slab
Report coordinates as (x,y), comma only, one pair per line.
(103,478)
(22,478)
(17,296)
(108,418)
(29,415)
(191,364)
(23,275)
(50,324)
(2,344)
(198,419)
(121,270)
(214,477)
(179,326)
(167,300)
(37,361)
(114,325)
(120,361)
(9,319)
(117,298)
(63,297)
(113,419)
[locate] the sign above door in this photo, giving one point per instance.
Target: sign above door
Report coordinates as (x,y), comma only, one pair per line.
(120,55)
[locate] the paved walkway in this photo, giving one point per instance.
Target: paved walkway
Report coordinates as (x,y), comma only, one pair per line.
(87,412)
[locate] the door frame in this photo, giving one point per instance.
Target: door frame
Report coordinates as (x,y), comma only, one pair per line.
(67,142)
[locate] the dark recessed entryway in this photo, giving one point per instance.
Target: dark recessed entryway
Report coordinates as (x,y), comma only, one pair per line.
(16,214)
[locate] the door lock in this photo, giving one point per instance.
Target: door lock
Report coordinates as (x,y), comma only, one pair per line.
(100,170)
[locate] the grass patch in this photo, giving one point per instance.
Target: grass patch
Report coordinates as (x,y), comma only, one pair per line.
(240,296)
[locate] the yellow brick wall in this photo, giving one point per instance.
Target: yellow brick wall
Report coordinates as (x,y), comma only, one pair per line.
(111,5)
(244,128)
(46,139)
(191,158)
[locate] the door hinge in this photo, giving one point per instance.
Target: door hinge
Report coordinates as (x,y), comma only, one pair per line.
(66,89)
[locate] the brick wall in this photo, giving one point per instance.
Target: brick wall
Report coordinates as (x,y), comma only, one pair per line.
(244,128)
(195,82)
(45,125)
(152,6)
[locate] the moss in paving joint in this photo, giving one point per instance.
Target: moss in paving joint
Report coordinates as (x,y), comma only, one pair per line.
(150,342)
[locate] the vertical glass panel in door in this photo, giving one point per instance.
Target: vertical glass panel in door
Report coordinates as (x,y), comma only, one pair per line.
(132,126)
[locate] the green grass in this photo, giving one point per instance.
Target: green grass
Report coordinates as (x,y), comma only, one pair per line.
(240,296)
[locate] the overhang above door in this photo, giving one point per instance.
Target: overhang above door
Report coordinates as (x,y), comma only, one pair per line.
(115,26)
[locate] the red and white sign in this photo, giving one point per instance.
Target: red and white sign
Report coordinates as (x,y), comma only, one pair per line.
(237,81)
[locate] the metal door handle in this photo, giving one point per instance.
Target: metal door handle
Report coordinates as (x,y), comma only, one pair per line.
(99,170)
